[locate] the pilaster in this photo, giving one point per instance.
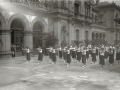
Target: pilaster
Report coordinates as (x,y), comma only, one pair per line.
(6,40)
(28,39)
(57,29)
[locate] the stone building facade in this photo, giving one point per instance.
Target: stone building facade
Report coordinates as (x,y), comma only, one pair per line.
(22,22)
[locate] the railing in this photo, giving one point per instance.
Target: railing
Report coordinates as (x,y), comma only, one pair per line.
(79,17)
(31,4)
(38,5)
(19,2)
(88,19)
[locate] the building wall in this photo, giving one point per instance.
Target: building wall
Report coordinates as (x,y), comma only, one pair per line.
(60,20)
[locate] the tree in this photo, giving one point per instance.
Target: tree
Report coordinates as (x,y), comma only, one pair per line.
(77,43)
(51,40)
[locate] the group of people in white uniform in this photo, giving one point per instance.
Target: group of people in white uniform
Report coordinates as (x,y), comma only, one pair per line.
(83,54)
(80,53)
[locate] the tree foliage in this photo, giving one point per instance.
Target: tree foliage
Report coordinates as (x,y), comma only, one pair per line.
(51,40)
(77,43)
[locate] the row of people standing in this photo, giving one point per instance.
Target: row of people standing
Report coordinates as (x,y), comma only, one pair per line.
(28,57)
(84,53)
(80,53)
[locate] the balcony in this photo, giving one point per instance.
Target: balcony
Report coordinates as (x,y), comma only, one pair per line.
(78,17)
(15,2)
(38,6)
(88,19)
(29,4)
(99,24)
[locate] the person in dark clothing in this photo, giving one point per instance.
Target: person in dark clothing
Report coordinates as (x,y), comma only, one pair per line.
(68,57)
(118,54)
(111,56)
(84,57)
(54,56)
(79,55)
(40,55)
(28,54)
(102,58)
(94,55)
(13,49)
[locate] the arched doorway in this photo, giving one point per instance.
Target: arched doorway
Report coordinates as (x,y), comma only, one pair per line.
(17,34)
(37,34)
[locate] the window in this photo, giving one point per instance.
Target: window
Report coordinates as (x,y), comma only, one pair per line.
(103,36)
(116,36)
(63,4)
(95,18)
(77,35)
(86,35)
(63,34)
(93,35)
(116,16)
(0,25)
(92,18)
(76,7)
(96,35)
(87,9)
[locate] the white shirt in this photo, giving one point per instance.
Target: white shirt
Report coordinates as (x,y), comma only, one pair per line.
(40,50)
(53,51)
(84,52)
(68,52)
(28,50)
(102,53)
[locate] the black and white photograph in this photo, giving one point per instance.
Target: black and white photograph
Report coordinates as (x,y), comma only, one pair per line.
(59,44)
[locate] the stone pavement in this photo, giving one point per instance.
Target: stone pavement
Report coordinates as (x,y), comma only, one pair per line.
(16,74)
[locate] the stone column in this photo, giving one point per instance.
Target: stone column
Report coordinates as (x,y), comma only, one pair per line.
(70,32)
(73,31)
(57,29)
(90,35)
(28,39)
(6,40)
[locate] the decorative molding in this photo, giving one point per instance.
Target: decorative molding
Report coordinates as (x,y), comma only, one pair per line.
(5,32)
(28,32)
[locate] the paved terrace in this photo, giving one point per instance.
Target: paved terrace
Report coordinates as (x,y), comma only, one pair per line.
(16,74)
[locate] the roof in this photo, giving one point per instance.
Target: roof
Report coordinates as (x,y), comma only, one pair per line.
(106,4)
(103,3)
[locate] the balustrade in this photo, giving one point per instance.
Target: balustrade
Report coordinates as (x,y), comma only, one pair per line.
(31,4)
